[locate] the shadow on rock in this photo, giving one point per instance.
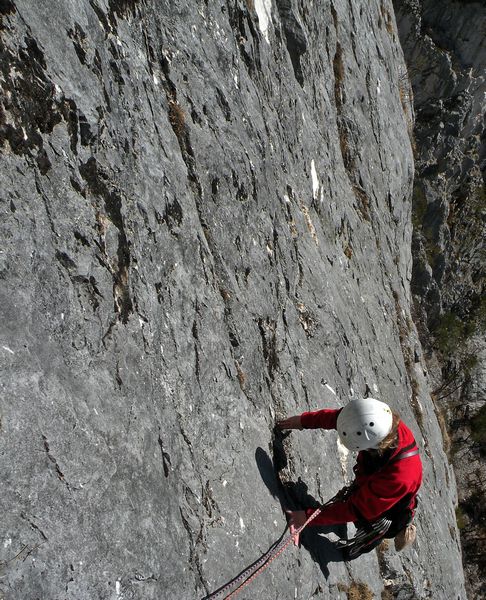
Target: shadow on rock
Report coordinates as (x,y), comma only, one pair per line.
(295,496)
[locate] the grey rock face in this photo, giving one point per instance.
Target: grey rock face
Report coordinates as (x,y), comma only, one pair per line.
(205,226)
(446,56)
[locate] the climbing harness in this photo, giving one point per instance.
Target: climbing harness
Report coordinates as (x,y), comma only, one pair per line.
(408,452)
(249,574)
(366,538)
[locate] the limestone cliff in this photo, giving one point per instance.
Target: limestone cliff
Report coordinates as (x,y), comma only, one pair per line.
(445,49)
(205,225)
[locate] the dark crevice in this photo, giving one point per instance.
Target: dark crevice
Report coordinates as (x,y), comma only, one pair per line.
(28,98)
(123,8)
(246,36)
(195,335)
(173,216)
(223,103)
(101,17)
(7,7)
(166,462)
(268,333)
(99,185)
(78,36)
(65,260)
(194,560)
(34,526)
(294,35)
(59,473)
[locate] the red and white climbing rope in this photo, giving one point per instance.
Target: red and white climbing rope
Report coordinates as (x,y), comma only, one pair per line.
(249,574)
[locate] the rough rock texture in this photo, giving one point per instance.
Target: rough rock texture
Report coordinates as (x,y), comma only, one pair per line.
(205,225)
(445,49)
(446,56)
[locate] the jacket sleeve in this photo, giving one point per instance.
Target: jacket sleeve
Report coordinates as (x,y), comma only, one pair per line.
(368,502)
(320,419)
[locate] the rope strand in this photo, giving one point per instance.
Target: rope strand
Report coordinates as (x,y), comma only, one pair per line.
(246,572)
(275,550)
(276,554)
(249,574)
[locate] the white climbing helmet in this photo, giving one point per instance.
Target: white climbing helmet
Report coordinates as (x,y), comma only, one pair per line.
(363,424)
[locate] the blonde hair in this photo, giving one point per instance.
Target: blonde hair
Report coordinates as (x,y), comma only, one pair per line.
(391,440)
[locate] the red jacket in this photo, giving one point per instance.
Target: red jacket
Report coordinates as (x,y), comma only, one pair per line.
(374,493)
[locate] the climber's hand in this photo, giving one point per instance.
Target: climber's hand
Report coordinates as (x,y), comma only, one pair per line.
(290,423)
(295,518)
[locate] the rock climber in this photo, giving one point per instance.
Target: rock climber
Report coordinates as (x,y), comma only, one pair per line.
(388,473)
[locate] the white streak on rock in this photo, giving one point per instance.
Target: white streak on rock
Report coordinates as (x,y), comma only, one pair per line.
(315,180)
(263,11)
(7,349)
(343,457)
(330,389)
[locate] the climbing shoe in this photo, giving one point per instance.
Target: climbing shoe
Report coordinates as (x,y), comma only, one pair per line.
(405,537)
